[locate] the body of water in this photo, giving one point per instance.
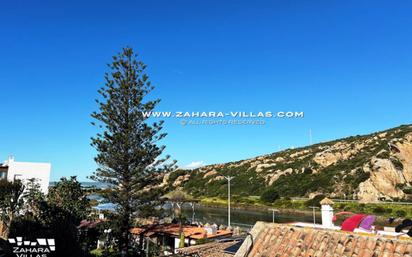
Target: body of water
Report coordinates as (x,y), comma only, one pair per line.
(85,184)
(219,216)
(241,218)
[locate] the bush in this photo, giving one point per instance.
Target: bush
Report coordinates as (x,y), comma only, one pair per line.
(348,208)
(175,174)
(383,155)
(400,186)
(285,204)
(379,210)
(407,191)
(270,195)
(361,207)
(400,213)
(315,201)
(398,165)
(307,170)
(244,194)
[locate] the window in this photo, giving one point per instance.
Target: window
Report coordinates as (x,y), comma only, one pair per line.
(3,174)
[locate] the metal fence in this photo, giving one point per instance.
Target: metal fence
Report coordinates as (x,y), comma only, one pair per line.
(354,201)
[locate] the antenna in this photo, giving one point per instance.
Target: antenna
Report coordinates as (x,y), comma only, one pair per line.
(310,136)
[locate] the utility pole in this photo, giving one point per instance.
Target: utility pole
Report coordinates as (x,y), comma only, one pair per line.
(228,178)
(273,214)
(314,214)
(193,212)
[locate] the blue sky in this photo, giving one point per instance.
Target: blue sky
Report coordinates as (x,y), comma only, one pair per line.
(346,64)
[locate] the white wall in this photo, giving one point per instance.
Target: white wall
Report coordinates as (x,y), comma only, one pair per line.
(177,241)
(327,216)
(28,170)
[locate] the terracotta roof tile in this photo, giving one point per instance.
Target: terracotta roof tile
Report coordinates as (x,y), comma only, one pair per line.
(214,249)
(173,229)
(272,240)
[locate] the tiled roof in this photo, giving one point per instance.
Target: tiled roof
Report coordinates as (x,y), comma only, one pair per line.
(189,231)
(88,223)
(326,201)
(136,231)
(277,240)
(214,249)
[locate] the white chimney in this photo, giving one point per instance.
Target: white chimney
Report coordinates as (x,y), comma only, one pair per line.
(327,213)
(10,160)
(211,230)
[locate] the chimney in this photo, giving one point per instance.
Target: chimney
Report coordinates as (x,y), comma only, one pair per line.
(211,230)
(327,213)
(10,160)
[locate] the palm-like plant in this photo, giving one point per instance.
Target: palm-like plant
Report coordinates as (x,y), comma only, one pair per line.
(178,198)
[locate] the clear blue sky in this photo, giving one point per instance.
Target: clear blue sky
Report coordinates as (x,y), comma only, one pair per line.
(346,64)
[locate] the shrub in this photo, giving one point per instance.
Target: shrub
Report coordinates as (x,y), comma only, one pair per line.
(361,207)
(315,201)
(175,174)
(270,195)
(400,213)
(307,170)
(348,208)
(244,194)
(383,155)
(398,165)
(379,210)
(400,186)
(283,203)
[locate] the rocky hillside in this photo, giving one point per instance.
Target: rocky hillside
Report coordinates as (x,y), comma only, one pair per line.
(371,167)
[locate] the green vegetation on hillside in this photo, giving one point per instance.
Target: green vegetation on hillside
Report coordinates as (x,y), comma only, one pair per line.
(297,172)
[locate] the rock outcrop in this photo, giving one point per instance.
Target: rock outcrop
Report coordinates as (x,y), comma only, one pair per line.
(383,181)
(370,168)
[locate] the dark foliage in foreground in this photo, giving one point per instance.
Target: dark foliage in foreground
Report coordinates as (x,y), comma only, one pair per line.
(53,222)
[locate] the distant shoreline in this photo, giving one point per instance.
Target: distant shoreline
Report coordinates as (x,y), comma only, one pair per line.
(380,220)
(257,208)
(286,210)
(85,184)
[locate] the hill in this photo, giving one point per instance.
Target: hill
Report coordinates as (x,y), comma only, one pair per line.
(371,167)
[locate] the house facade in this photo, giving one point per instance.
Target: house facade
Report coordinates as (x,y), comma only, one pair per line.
(12,170)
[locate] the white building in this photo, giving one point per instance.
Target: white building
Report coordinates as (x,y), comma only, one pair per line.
(24,171)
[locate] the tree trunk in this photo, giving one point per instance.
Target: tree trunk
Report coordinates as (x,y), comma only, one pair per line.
(3,230)
(125,235)
(181,234)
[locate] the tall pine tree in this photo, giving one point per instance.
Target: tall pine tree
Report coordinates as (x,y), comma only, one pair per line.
(128,155)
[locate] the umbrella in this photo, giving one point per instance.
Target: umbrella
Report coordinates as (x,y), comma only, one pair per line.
(367,222)
(352,222)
